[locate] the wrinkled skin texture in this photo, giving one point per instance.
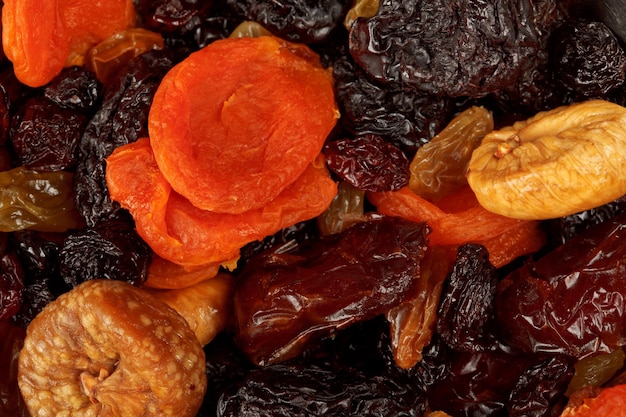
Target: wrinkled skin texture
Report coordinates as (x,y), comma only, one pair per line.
(446,47)
(571,300)
(277,316)
(153,366)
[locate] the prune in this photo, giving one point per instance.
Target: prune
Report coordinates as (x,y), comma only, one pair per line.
(286,300)
(47,135)
(110,250)
(405,118)
(306,21)
(570,300)
(368,163)
(587,59)
(536,89)
(540,387)
(121,119)
(288,390)
(75,88)
(466,307)
(446,47)
(11,285)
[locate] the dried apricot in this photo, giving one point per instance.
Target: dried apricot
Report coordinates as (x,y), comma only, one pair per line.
(184,234)
(610,402)
(459,218)
(247,116)
(40,38)
(557,163)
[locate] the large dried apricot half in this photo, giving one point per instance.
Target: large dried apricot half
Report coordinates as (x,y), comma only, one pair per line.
(236,123)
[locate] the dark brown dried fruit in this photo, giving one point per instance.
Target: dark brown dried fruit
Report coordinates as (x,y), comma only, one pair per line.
(446,47)
(285,300)
(11,285)
(368,163)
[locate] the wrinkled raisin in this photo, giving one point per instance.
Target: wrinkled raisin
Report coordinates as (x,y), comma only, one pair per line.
(47,135)
(111,250)
(368,163)
(587,59)
(466,306)
(75,88)
(11,285)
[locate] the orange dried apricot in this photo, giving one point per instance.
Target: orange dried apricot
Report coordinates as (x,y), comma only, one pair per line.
(236,123)
(459,218)
(40,37)
(184,234)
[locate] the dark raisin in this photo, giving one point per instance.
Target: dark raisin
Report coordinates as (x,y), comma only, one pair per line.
(75,88)
(111,250)
(11,285)
(289,390)
(286,300)
(172,15)
(306,21)
(39,256)
(47,135)
(446,47)
(12,96)
(587,58)
(466,307)
(37,295)
(121,119)
(540,388)
(368,163)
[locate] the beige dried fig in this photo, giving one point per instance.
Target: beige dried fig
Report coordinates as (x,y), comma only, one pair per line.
(107,348)
(557,163)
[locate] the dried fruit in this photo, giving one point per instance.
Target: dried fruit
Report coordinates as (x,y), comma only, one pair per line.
(609,402)
(556,163)
(40,38)
(247,115)
(37,200)
(439,166)
(181,233)
(107,346)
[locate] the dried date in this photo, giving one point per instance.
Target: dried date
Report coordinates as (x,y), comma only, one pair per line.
(570,300)
(286,300)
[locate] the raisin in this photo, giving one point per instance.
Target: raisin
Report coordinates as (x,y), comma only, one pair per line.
(307,21)
(540,387)
(47,135)
(368,163)
(75,88)
(286,300)
(587,59)
(288,390)
(37,295)
(466,307)
(425,45)
(12,96)
(172,15)
(39,256)
(121,119)
(11,285)
(111,250)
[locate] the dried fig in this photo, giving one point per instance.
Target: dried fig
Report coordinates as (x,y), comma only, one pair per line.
(107,348)
(556,163)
